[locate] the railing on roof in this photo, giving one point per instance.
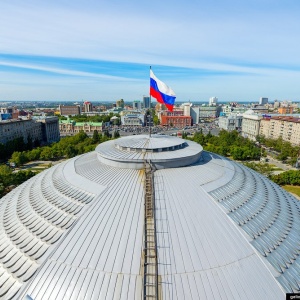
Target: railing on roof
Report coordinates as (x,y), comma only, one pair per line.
(150,245)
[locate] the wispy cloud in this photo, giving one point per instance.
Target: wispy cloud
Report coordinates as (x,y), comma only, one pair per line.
(221,41)
(63,71)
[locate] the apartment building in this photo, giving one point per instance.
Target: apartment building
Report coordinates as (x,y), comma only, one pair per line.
(286,127)
(176,121)
(133,120)
(231,122)
(251,125)
(69,110)
(44,130)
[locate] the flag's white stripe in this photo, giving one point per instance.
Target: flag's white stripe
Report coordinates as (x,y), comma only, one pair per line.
(163,88)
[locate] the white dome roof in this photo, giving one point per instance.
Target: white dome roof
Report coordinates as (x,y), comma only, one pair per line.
(77,230)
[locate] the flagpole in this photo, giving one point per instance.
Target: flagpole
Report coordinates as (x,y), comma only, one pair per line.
(150,112)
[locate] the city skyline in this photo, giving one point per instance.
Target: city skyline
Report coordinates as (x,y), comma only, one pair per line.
(102,51)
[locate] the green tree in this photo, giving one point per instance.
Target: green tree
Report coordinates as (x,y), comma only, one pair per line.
(291,177)
(22,176)
(19,158)
(263,168)
(116,134)
(34,154)
(70,151)
(1,189)
(95,138)
(80,137)
(5,175)
(106,133)
(199,138)
(156,120)
(209,135)
(184,135)
(46,153)
(237,153)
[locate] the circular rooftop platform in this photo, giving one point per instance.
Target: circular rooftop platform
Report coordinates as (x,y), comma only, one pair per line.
(154,143)
(162,151)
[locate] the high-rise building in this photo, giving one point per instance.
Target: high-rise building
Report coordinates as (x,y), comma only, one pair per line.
(263,101)
(276,104)
(120,103)
(195,114)
(186,109)
(213,101)
(137,105)
(146,102)
(87,106)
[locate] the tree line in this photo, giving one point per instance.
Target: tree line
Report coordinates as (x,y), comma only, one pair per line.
(85,118)
(9,179)
(285,150)
(17,144)
(229,144)
(67,147)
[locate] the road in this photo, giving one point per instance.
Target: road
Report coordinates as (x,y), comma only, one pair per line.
(279,164)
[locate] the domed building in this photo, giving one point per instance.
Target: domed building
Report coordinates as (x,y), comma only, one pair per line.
(149,218)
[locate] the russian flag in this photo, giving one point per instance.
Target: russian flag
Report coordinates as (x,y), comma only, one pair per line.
(161,92)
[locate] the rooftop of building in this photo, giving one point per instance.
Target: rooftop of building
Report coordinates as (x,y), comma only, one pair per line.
(70,121)
(286,118)
(76,230)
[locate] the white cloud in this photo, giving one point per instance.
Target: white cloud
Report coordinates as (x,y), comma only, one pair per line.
(64,71)
(136,36)
(217,36)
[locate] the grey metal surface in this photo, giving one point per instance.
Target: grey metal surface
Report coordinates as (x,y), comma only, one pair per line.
(271,218)
(76,230)
(145,142)
(102,252)
(202,254)
(32,219)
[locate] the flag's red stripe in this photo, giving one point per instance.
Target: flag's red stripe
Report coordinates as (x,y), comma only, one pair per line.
(156,94)
(169,107)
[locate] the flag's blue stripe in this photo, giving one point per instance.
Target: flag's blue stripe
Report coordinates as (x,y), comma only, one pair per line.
(168,99)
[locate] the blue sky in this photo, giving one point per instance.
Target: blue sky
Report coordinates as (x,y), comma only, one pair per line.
(102,50)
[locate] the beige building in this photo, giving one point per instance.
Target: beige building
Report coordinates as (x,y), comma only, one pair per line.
(286,127)
(285,110)
(120,103)
(69,110)
(250,125)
